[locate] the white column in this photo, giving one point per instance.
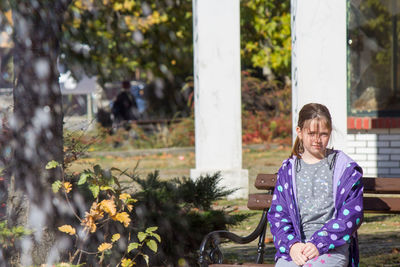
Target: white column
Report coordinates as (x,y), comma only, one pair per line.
(216,34)
(319,61)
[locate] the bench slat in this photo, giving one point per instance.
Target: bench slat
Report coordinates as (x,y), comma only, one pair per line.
(265,181)
(371,204)
(382,204)
(259,201)
(380,185)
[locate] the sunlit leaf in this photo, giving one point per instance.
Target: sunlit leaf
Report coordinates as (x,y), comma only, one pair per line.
(95,190)
(122,217)
(104,247)
(152,245)
(141,236)
(115,237)
(133,245)
(67,229)
(52,164)
(127,262)
(108,206)
(157,236)
(83,178)
(91,217)
(124,196)
(56,186)
(67,187)
(151,229)
(105,188)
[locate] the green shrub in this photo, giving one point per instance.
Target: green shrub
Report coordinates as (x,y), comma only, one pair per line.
(182,209)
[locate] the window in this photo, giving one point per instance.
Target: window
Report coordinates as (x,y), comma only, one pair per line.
(373,57)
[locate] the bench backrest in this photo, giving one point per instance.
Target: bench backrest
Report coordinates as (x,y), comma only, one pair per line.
(385,198)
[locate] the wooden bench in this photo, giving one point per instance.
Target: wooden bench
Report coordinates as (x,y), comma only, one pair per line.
(381,195)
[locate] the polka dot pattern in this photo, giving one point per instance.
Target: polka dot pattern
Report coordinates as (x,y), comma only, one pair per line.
(349,224)
(346,238)
(346,212)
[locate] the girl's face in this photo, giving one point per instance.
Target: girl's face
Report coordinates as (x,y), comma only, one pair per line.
(315,137)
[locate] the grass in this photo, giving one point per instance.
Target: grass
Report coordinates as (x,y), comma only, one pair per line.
(379,235)
(178,162)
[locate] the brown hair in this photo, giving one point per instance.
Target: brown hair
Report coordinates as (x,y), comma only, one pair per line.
(309,112)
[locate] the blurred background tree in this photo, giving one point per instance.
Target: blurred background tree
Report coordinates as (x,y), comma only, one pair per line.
(152,40)
(265,37)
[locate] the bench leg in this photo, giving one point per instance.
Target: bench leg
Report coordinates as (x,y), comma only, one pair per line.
(261,241)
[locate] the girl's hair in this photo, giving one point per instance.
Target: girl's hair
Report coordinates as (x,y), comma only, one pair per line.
(307,113)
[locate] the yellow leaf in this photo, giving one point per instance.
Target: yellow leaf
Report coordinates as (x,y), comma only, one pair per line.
(115,237)
(108,206)
(129,207)
(122,217)
(90,218)
(124,196)
(9,17)
(104,247)
(179,34)
(127,262)
(128,4)
(78,4)
(67,229)
(67,187)
(117,6)
(130,22)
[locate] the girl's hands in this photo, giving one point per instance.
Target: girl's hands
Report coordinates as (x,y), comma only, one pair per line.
(310,251)
(301,253)
(297,255)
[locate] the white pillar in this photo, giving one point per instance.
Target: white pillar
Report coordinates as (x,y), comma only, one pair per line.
(216,35)
(319,60)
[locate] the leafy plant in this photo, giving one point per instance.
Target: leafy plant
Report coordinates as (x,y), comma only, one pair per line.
(111,205)
(183,211)
(8,236)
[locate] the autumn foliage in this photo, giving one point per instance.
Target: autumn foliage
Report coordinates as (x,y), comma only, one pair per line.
(110,205)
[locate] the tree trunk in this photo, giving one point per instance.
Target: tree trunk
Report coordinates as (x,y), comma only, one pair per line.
(37,125)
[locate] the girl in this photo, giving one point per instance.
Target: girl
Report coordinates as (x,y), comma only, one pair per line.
(317,204)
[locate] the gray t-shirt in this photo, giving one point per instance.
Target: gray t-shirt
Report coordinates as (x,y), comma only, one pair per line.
(314,195)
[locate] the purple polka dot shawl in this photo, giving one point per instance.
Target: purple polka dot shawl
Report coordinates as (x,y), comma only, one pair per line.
(284,218)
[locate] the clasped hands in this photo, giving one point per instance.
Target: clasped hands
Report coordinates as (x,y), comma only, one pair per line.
(302,252)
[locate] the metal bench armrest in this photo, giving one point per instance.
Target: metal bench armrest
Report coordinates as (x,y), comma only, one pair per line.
(213,239)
